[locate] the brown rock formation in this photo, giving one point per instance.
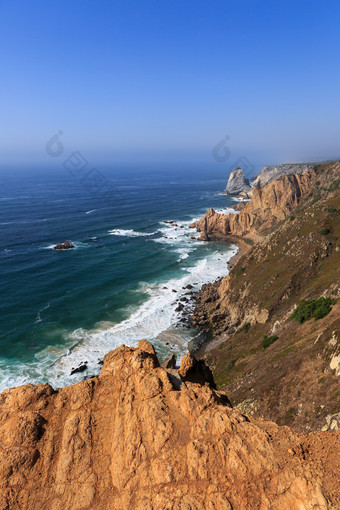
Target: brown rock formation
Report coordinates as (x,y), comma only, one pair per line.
(63,246)
(267,206)
(129,440)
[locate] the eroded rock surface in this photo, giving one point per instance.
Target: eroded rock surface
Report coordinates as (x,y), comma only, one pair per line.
(269,173)
(130,440)
(237,183)
(267,206)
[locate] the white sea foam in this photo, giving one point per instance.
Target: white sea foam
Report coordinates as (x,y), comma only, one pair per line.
(38,317)
(156,315)
(227,210)
(129,233)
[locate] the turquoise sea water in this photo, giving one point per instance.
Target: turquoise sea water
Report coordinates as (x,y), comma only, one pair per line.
(61,308)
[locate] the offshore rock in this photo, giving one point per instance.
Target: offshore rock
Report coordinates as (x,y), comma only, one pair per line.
(237,183)
(63,246)
(133,439)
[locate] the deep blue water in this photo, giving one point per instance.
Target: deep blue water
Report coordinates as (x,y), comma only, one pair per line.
(110,289)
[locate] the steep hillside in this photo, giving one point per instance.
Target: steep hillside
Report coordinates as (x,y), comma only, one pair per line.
(295,379)
(144,437)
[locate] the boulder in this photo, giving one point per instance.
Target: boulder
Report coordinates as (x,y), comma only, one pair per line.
(170,362)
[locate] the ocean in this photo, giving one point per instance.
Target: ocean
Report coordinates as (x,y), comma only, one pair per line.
(62,308)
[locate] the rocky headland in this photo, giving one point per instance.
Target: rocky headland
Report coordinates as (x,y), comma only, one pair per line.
(141,436)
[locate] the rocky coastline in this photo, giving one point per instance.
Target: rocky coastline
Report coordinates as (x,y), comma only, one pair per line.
(287,256)
(251,421)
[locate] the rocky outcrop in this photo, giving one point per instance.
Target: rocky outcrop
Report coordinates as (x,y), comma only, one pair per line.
(267,206)
(63,246)
(133,439)
(270,173)
(238,183)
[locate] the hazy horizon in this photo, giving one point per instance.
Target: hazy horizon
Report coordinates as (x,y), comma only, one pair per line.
(144,82)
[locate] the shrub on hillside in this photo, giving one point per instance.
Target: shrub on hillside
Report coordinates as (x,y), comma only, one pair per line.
(317,308)
(269,340)
(324,231)
(240,271)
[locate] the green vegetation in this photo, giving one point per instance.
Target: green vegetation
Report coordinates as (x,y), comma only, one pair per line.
(240,271)
(324,231)
(317,308)
(332,210)
(269,340)
(335,185)
(246,327)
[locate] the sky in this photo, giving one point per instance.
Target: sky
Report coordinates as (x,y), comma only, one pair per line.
(154,80)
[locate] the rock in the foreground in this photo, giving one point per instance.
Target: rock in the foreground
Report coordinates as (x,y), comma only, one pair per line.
(130,440)
(63,246)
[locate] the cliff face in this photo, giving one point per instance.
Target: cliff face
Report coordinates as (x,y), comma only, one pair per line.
(237,183)
(267,206)
(270,173)
(143,437)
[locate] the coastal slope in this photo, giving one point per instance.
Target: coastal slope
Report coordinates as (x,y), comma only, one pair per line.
(141,436)
(271,365)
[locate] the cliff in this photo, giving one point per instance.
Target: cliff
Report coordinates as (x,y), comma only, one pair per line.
(295,379)
(270,173)
(237,183)
(140,436)
(267,206)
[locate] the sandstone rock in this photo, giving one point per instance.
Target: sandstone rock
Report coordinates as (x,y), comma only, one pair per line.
(170,362)
(133,439)
(196,371)
(237,183)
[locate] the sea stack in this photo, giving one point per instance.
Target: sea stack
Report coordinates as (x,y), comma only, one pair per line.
(237,183)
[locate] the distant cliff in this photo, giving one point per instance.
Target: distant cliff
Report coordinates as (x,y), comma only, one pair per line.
(269,204)
(140,436)
(269,173)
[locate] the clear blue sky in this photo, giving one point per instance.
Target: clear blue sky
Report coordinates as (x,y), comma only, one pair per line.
(150,79)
